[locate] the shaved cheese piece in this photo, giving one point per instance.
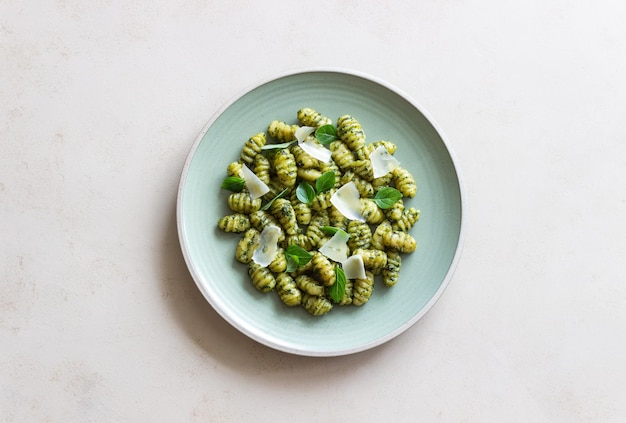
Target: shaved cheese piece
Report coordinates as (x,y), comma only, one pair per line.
(256,187)
(347,200)
(303,132)
(310,145)
(336,248)
(353,267)
(382,162)
(268,245)
(315,149)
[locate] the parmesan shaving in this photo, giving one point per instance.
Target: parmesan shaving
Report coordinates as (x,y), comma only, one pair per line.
(353,267)
(256,187)
(268,245)
(303,132)
(310,145)
(314,149)
(383,162)
(347,200)
(336,248)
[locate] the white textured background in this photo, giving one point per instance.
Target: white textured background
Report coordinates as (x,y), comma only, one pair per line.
(100,102)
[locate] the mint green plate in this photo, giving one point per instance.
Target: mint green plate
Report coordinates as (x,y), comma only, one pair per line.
(385,113)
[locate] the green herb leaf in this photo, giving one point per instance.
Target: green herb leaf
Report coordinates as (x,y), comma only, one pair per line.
(338,289)
(292,265)
(277,146)
(326,134)
(299,253)
(331,230)
(233,183)
(269,203)
(325,182)
(296,256)
(387,197)
(305,192)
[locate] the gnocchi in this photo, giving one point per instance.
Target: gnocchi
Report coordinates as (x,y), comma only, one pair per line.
(237,222)
(380,238)
(350,131)
(246,246)
(288,290)
(310,117)
(252,147)
(261,277)
(281,131)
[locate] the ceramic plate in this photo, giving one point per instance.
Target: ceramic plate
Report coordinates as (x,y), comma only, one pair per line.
(384,113)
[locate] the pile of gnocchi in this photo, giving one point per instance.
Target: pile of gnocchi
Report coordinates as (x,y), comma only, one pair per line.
(320,212)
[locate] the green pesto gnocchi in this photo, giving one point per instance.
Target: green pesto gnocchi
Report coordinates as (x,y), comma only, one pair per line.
(283,212)
(302,207)
(322,200)
(374,260)
(310,285)
(247,245)
(262,168)
(262,278)
(237,222)
(315,229)
(299,239)
(302,211)
(252,147)
(303,159)
(316,305)
(360,235)
(311,117)
(341,154)
(404,182)
(288,290)
(323,269)
(260,219)
(363,289)
(365,151)
(285,167)
(372,214)
(241,202)
(279,264)
(350,131)
(391,271)
(281,131)
(406,220)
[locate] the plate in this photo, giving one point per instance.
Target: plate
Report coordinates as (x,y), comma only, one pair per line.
(384,113)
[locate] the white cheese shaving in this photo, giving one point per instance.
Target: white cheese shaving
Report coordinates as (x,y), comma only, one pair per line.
(353,267)
(336,248)
(310,145)
(256,187)
(347,200)
(315,149)
(268,245)
(303,132)
(382,162)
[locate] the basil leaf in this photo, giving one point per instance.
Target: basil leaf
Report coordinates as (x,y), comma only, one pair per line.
(326,134)
(233,183)
(277,146)
(269,203)
(387,197)
(325,182)
(331,230)
(302,255)
(297,255)
(292,264)
(338,289)
(305,192)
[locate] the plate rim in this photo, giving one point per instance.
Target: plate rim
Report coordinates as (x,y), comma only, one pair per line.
(180,224)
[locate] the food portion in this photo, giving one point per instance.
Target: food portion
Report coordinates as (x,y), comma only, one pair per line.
(319,211)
